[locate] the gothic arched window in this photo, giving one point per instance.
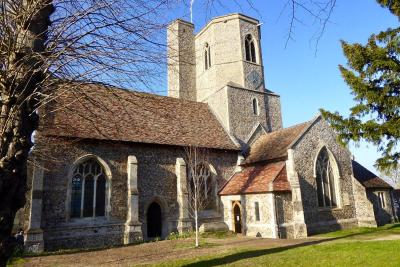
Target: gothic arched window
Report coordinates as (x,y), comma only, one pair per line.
(201,184)
(207,57)
(88,190)
(255,106)
(250,49)
(326,188)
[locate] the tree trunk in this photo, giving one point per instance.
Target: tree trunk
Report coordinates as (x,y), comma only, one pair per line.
(196,219)
(18,119)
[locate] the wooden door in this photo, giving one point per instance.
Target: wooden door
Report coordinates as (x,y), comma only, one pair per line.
(237,217)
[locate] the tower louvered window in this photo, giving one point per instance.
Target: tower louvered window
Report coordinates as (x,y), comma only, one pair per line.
(250,49)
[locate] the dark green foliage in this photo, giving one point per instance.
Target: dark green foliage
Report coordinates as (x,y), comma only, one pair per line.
(393,5)
(373,74)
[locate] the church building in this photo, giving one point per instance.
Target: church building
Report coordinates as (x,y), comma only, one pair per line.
(109,165)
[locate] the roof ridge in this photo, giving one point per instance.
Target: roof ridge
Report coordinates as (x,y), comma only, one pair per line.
(293,126)
(135,91)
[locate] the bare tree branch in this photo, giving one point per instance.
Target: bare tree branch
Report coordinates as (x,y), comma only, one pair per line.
(200,184)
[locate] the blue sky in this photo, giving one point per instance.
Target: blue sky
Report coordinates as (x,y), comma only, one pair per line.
(305,78)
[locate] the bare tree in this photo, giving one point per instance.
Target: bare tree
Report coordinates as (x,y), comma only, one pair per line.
(310,13)
(320,13)
(45,42)
(199,184)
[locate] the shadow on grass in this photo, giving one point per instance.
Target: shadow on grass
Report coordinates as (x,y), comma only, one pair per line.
(397,225)
(261,252)
(252,254)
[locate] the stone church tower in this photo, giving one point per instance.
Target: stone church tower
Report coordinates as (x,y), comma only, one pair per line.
(222,65)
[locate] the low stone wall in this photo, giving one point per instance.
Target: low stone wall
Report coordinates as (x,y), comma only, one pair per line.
(91,236)
(330,226)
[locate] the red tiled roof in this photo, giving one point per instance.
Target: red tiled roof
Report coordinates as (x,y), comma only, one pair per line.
(99,112)
(274,145)
(258,179)
(367,178)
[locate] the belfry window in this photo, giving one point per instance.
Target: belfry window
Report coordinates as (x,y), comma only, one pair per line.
(250,49)
(207,57)
(88,190)
(325,178)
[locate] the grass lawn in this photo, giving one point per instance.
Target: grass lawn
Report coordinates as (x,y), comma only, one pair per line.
(376,253)
(355,247)
(365,233)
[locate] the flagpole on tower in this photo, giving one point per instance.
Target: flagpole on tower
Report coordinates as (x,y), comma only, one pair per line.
(191,10)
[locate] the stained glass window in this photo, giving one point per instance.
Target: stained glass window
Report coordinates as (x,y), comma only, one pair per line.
(100,196)
(325,180)
(76,194)
(88,200)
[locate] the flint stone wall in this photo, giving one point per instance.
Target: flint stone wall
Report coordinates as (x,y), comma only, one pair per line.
(364,207)
(242,119)
(383,215)
(156,181)
(284,212)
(305,151)
(265,227)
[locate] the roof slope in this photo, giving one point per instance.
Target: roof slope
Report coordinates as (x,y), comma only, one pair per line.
(274,145)
(367,178)
(100,112)
(258,179)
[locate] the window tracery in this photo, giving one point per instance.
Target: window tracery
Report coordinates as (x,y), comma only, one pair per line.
(88,190)
(250,49)
(325,178)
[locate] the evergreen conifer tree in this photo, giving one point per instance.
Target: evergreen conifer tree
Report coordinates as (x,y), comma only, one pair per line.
(373,74)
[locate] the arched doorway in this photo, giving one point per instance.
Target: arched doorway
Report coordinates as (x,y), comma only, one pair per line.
(154,220)
(237,217)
